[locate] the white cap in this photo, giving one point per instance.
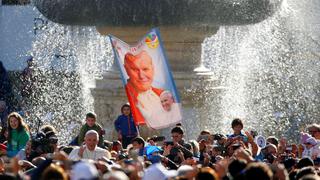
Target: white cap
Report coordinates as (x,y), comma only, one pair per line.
(159,172)
(312,141)
(84,170)
(184,169)
(116,175)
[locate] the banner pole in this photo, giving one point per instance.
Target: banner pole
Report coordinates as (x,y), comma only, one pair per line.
(137,128)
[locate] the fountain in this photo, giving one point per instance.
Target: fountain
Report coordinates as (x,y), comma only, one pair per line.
(182,32)
(257,59)
(272,68)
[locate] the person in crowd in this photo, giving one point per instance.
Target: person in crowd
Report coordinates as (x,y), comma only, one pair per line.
(311,149)
(238,138)
(4,135)
(269,153)
(258,171)
(237,126)
(6,93)
(138,144)
(177,151)
(91,124)
(89,150)
(155,140)
(173,161)
(3,113)
(18,134)
(314,131)
(273,140)
(125,126)
(28,78)
(54,172)
(25,153)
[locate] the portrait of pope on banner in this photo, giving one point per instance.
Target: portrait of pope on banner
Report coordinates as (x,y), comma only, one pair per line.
(148,81)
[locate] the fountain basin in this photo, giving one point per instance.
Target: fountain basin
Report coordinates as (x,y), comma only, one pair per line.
(156,12)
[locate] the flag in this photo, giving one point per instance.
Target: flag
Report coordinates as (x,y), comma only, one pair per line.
(148,81)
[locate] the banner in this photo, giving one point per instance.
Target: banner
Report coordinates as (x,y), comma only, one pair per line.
(148,81)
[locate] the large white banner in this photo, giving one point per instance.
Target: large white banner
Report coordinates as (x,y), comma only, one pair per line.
(148,81)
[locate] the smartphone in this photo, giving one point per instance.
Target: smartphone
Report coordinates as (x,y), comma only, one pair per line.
(288,149)
(244,138)
(203,137)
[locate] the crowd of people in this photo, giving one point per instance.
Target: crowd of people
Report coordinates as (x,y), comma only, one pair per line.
(211,156)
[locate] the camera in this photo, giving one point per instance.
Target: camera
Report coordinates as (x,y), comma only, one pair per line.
(158,138)
(43,143)
(270,158)
(167,143)
(203,137)
(218,137)
(288,149)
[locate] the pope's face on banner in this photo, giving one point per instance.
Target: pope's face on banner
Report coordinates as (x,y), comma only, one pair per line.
(166,100)
(140,70)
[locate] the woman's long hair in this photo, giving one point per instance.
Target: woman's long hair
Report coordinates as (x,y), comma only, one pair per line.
(22,125)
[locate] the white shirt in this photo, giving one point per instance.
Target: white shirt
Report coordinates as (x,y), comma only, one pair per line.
(149,100)
(160,118)
(312,153)
(96,154)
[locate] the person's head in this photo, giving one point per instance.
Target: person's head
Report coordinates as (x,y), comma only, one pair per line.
(305,162)
(177,134)
(236,166)
(15,121)
(91,139)
(310,142)
(138,143)
(314,130)
(116,146)
(167,100)
(206,173)
(271,149)
(47,128)
(54,172)
(3,106)
(195,147)
(125,110)
(187,171)
(259,171)
(140,70)
(91,119)
(273,140)
(305,171)
(237,126)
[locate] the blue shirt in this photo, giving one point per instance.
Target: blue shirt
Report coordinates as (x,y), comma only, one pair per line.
(126,125)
